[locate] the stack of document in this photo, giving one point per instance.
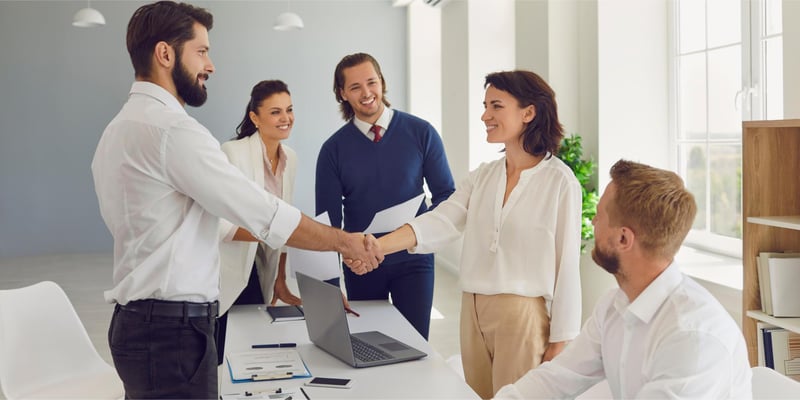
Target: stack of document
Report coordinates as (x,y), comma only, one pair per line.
(266,364)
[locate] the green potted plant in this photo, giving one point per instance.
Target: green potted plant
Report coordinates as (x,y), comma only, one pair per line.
(571,152)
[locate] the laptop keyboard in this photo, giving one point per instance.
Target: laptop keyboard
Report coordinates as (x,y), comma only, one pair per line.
(367,352)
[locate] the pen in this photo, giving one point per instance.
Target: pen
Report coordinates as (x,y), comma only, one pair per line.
(273,345)
(305,394)
(350,310)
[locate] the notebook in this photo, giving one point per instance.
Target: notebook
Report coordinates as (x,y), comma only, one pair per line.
(328,329)
(285,313)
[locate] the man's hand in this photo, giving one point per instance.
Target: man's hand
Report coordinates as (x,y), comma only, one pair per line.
(363,252)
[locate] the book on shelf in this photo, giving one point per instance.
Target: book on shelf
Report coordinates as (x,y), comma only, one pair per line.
(782,351)
(784,275)
(760,341)
(766,356)
(286,313)
(777,273)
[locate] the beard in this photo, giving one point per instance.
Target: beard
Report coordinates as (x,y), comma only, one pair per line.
(607,260)
(189,87)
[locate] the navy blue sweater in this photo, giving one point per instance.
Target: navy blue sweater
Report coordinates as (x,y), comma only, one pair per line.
(359,177)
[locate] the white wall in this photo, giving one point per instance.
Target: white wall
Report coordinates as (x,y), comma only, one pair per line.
(455,87)
(424,25)
(791,59)
(492,46)
(564,61)
(532,22)
(632,83)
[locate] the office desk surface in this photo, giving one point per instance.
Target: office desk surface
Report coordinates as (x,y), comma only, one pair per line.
(428,378)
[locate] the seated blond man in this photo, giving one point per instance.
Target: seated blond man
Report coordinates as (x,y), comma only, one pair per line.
(660,334)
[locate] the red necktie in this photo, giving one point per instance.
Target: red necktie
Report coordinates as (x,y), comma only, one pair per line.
(377,131)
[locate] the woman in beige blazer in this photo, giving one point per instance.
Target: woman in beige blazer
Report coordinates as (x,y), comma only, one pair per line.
(251,272)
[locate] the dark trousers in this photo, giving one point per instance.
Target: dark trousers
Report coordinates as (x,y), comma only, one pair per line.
(410,284)
(164,357)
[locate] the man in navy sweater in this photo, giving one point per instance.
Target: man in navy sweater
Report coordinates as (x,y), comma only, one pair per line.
(380,158)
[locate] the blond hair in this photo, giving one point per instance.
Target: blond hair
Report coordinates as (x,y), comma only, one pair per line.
(655,204)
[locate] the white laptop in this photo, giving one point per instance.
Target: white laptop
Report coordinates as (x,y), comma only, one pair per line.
(326,321)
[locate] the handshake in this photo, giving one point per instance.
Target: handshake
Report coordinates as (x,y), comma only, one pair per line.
(366,252)
(361,252)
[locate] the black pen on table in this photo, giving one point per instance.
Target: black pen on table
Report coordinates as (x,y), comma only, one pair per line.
(273,345)
(305,394)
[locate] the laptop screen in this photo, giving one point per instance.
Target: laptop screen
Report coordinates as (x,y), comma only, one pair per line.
(326,319)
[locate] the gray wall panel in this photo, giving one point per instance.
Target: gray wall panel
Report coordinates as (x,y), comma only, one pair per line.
(60,85)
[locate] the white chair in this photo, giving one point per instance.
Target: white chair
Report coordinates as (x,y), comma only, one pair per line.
(45,351)
(771,384)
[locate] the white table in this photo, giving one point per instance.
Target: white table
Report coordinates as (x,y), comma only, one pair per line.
(428,378)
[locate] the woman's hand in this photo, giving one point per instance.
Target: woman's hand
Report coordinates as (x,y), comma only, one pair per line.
(282,291)
(283,294)
(552,350)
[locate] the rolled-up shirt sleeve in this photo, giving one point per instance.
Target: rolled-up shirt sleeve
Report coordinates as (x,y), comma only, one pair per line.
(201,171)
(286,220)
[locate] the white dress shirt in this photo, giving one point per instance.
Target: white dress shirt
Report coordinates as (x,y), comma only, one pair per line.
(383,122)
(674,341)
(529,247)
(162,183)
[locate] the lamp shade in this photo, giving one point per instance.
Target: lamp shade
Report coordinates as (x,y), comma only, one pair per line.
(88,18)
(288,21)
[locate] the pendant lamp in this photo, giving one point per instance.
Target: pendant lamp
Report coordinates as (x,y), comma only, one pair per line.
(88,17)
(288,21)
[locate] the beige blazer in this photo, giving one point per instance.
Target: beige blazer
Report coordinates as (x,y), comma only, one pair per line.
(236,258)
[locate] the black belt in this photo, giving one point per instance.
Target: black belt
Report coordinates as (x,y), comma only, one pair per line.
(163,308)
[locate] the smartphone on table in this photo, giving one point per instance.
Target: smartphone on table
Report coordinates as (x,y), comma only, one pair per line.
(342,383)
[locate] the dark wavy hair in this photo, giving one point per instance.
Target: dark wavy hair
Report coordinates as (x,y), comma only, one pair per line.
(338,81)
(544,133)
(261,91)
(165,21)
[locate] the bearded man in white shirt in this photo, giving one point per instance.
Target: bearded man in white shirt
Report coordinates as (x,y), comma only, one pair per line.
(162,183)
(660,335)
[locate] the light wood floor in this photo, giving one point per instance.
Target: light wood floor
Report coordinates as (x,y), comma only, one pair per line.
(84,277)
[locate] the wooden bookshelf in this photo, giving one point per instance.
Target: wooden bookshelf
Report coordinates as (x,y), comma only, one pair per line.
(771,211)
(790,324)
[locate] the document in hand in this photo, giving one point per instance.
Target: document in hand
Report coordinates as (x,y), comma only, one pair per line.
(285,313)
(266,364)
(394,217)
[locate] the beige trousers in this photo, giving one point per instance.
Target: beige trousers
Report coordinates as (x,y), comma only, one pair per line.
(503,336)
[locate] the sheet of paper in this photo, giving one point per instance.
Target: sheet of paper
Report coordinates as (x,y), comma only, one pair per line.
(266,364)
(394,217)
(322,265)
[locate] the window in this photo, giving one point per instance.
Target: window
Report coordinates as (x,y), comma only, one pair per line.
(727,67)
